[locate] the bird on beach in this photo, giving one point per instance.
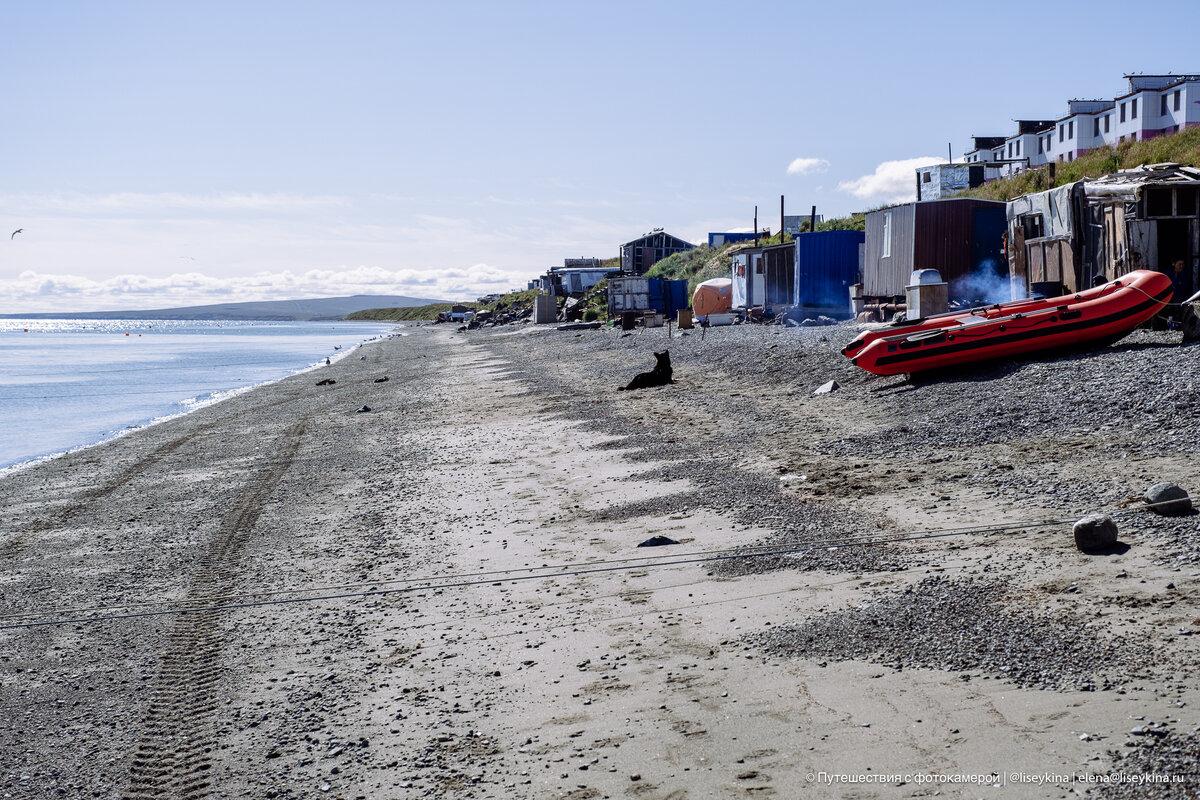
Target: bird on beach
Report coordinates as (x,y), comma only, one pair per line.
(14,233)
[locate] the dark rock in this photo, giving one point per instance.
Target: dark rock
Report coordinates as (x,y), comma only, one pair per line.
(363,410)
(384,379)
(1096,533)
(1169,499)
(326,382)
(657,541)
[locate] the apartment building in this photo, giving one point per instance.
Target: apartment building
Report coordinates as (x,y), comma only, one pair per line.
(1154,105)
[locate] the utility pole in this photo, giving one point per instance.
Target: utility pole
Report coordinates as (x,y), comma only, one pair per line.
(950,151)
(812,221)
(781,219)
(756,226)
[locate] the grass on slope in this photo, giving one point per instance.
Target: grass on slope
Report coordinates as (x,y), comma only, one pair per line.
(855,222)
(408,313)
(696,265)
(1181,148)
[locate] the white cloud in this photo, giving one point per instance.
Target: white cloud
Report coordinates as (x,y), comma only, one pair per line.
(35,291)
(804,166)
(892,181)
(137,203)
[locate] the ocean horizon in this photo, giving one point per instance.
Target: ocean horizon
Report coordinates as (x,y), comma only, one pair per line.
(72,383)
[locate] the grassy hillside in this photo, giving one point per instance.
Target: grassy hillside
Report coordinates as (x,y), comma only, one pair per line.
(407,313)
(1182,148)
(854,222)
(696,265)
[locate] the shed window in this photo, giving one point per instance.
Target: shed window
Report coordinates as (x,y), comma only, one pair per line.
(1163,110)
(1185,201)
(1071,129)
(1175,99)
(1041,145)
(926,177)
(1097,131)
(1062,132)
(1158,201)
(1107,119)
(1133,108)
(887,234)
(1032,225)
(1122,112)
(1018,148)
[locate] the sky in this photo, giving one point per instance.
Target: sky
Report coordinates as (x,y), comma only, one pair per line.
(176,153)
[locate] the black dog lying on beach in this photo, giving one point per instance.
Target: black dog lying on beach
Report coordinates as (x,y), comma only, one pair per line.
(659,376)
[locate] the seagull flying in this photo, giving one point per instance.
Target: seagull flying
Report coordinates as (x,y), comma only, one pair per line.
(14,233)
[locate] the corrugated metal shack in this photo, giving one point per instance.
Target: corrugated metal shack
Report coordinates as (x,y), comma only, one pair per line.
(764,276)
(827,264)
(958,237)
(643,253)
(1071,237)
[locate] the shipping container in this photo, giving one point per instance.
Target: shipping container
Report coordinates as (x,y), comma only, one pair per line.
(668,296)
(628,294)
(827,264)
(647,294)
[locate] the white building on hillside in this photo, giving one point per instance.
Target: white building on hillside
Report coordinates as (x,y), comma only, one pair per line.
(1154,105)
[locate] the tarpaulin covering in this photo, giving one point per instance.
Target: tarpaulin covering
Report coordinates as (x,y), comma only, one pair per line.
(713,297)
(1054,205)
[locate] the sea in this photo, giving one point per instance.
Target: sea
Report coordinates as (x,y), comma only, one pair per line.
(71,383)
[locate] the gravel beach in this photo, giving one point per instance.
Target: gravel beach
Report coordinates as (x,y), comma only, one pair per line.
(284,595)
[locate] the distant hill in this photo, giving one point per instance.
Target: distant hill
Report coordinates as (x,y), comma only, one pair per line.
(406,313)
(316,308)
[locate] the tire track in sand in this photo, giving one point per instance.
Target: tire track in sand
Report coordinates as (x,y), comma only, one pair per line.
(173,757)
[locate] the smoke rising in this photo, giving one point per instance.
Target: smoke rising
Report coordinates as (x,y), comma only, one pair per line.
(985,286)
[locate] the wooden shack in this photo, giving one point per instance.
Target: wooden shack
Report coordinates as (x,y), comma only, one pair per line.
(1074,236)
(642,253)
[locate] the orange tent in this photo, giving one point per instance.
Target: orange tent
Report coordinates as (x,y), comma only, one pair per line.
(713,297)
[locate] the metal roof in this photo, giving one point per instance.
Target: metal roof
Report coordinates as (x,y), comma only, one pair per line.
(1127,183)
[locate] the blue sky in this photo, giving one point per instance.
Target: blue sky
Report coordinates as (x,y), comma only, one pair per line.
(183,152)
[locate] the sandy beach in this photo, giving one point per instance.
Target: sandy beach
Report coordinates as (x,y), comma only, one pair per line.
(429,599)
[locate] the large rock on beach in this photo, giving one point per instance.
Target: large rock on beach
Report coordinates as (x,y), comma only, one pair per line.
(1169,499)
(1096,533)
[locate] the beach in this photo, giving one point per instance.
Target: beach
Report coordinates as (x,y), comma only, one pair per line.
(437,597)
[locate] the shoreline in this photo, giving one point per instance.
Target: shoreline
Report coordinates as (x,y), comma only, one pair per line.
(216,396)
(502,452)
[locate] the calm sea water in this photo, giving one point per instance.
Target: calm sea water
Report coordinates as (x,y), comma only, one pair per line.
(65,384)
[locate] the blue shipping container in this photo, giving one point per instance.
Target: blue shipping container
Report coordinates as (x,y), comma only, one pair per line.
(826,266)
(667,296)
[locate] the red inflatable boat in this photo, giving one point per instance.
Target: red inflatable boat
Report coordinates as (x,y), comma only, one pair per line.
(1104,313)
